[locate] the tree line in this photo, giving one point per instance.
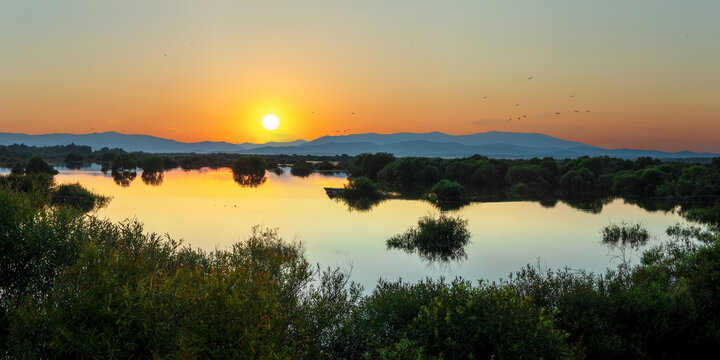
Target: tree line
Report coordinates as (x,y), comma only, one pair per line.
(585,181)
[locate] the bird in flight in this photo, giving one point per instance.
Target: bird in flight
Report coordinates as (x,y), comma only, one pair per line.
(572,96)
(557,113)
(524,116)
(530,78)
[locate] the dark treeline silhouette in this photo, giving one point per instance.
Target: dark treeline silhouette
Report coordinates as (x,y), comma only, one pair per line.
(586,182)
(75,286)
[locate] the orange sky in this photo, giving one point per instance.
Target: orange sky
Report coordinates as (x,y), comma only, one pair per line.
(647,71)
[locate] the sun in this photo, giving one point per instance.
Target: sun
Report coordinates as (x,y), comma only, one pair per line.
(270,121)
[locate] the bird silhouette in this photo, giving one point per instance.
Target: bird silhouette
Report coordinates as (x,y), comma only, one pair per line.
(524,116)
(532,77)
(557,113)
(572,96)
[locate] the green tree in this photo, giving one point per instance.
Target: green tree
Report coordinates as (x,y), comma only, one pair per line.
(124,163)
(448,191)
(369,165)
(37,165)
(361,188)
(152,164)
(301,169)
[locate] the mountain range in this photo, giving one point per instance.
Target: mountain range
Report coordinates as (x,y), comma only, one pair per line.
(433,144)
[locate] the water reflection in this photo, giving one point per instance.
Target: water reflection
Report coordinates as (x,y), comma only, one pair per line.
(249,180)
(361,204)
(124,178)
(153,178)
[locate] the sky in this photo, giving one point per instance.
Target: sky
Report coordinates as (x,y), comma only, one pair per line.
(640,74)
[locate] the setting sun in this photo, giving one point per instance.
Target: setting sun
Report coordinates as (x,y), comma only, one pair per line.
(270,121)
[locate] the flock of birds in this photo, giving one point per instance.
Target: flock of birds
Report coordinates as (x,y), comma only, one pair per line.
(557,113)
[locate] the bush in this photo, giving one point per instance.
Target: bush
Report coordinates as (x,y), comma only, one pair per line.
(433,319)
(73,158)
(441,238)
(18,168)
(368,165)
(361,188)
(301,169)
(37,165)
(77,196)
(124,163)
(152,164)
(448,191)
(249,165)
(625,235)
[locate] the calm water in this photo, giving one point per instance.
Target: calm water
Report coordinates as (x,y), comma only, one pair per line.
(209,210)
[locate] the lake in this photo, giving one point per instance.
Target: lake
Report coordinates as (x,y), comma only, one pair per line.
(211,211)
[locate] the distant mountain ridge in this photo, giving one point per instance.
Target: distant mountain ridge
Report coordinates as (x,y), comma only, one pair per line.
(433,144)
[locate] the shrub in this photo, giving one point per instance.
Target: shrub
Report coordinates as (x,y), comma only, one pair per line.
(624,235)
(77,196)
(361,188)
(448,191)
(301,169)
(249,165)
(441,238)
(152,164)
(37,165)
(124,163)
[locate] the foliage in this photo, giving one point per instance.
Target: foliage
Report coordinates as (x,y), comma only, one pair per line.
(666,307)
(152,164)
(36,165)
(625,235)
(410,174)
(18,168)
(434,319)
(73,158)
(448,191)
(249,165)
(442,238)
(301,169)
(77,196)
(82,287)
(124,163)
(361,188)
(368,165)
